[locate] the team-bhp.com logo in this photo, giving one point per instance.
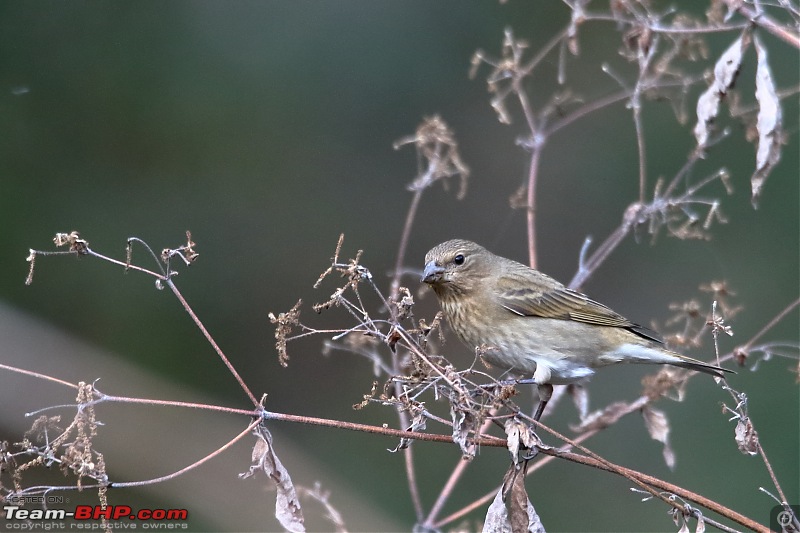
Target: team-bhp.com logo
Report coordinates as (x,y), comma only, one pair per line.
(115,513)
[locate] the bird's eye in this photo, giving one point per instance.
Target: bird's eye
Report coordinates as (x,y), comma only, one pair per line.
(459,259)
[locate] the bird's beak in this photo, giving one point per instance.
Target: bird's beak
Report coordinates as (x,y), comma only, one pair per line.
(432,272)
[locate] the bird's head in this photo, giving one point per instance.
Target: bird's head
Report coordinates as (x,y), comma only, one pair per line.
(455,266)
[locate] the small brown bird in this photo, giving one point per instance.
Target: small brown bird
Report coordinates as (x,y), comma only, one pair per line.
(530,323)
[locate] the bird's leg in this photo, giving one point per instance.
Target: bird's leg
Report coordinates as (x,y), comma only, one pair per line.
(545,392)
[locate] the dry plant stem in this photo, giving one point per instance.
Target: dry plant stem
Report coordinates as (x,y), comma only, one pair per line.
(636,104)
(774,478)
(171,403)
(165,278)
(483,440)
(586,109)
(682,172)
(42,489)
(771,323)
(479,440)
(401,250)
(612,467)
(101,397)
(194,465)
(638,477)
(587,268)
(413,486)
(408,455)
(538,139)
(647,482)
(632,407)
(543,53)
(445,493)
(38,375)
(766,22)
(531,200)
(269,415)
(749,343)
(455,476)
(127,266)
(600,255)
(489,496)
(753,108)
(637,120)
(211,341)
(656,28)
(663,486)
(537,143)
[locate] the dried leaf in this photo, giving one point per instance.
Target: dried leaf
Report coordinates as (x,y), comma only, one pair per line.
(518,433)
(534,522)
(746,436)
(658,427)
(392,338)
(768,124)
(578,17)
(418,422)
(463,422)
(497,516)
(287,506)
(725,71)
(517,502)
(701,525)
(676,515)
(512,428)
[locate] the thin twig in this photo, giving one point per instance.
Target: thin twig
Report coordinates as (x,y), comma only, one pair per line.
(211,341)
(483,440)
(42,489)
(404,238)
(171,403)
(450,485)
(664,486)
(533,172)
(766,22)
(777,318)
(194,465)
(413,484)
(772,475)
(38,375)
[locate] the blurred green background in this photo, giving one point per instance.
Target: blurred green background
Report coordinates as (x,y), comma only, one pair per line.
(266,128)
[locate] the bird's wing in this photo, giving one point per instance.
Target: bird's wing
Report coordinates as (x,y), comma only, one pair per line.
(519,297)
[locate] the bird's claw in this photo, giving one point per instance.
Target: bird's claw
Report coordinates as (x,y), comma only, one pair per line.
(530,453)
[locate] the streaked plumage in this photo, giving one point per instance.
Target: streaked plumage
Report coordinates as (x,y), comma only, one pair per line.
(532,324)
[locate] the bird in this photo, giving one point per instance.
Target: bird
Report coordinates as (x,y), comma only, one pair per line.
(528,323)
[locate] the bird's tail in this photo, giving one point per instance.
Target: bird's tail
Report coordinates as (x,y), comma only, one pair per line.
(700,366)
(637,353)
